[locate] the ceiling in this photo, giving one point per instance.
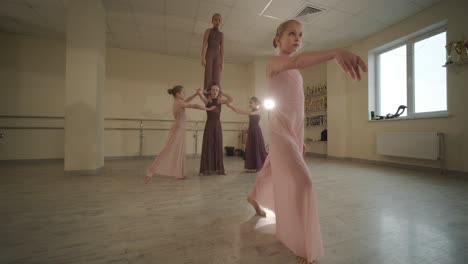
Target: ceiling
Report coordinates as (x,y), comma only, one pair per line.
(175,27)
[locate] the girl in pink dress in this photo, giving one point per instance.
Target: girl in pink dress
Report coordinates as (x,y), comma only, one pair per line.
(284,184)
(171,159)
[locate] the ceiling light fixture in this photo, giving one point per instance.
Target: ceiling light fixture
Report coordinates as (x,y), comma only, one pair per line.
(264,9)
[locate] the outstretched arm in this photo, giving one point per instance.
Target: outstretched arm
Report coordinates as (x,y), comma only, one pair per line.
(349,62)
(197,106)
(228,99)
(190,98)
(237,110)
(202,96)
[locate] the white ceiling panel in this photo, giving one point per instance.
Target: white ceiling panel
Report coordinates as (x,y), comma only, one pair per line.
(331,19)
(117,5)
(233,34)
(182,8)
(353,7)
(206,10)
(359,26)
(283,10)
(20,11)
(155,21)
(179,24)
(148,7)
(425,3)
(177,42)
(390,12)
(154,41)
(255,6)
(326,3)
(221,2)
(176,27)
(239,18)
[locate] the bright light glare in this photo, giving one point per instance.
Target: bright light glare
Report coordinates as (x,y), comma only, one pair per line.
(269,104)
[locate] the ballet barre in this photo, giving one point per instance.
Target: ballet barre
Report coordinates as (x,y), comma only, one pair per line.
(195,127)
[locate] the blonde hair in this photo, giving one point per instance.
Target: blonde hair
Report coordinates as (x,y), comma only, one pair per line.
(281,28)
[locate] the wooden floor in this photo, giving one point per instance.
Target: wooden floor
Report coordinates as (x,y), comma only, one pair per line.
(369,215)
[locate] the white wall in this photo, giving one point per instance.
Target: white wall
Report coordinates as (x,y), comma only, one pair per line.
(350,132)
(32,71)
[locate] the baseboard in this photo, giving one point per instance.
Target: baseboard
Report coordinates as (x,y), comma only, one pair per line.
(402,166)
(316,155)
(129,157)
(30,161)
(84,172)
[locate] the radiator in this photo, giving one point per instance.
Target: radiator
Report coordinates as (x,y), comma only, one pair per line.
(418,145)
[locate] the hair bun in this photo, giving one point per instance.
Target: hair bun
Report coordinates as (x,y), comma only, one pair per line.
(170,91)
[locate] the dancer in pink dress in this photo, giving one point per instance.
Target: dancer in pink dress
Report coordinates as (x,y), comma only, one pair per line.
(284,185)
(171,159)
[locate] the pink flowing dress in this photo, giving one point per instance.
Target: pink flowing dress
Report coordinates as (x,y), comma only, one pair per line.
(284,185)
(171,160)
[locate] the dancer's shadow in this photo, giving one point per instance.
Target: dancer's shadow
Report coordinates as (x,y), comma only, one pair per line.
(258,242)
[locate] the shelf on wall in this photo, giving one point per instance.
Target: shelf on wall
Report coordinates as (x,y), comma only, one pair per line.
(317,95)
(463,62)
(319,111)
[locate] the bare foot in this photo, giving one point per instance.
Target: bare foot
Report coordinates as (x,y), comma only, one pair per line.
(301,260)
(148,179)
(257,208)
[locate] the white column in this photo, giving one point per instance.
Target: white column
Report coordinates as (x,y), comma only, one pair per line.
(85,76)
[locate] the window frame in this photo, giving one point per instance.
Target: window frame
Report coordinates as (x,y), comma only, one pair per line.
(374,73)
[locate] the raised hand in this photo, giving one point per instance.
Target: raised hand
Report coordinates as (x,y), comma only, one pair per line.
(350,63)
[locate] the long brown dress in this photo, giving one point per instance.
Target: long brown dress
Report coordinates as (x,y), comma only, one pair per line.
(213,59)
(255,153)
(212,147)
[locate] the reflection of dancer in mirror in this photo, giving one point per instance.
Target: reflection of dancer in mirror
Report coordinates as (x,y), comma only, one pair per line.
(212,147)
(213,54)
(284,184)
(171,159)
(255,153)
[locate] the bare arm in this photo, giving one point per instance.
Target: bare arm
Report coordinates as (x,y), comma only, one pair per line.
(202,96)
(348,61)
(205,46)
(190,98)
(239,111)
(225,101)
(197,106)
(222,52)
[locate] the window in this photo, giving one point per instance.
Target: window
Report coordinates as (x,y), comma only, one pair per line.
(409,72)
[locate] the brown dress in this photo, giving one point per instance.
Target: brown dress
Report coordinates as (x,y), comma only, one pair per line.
(255,153)
(213,59)
(212,147)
